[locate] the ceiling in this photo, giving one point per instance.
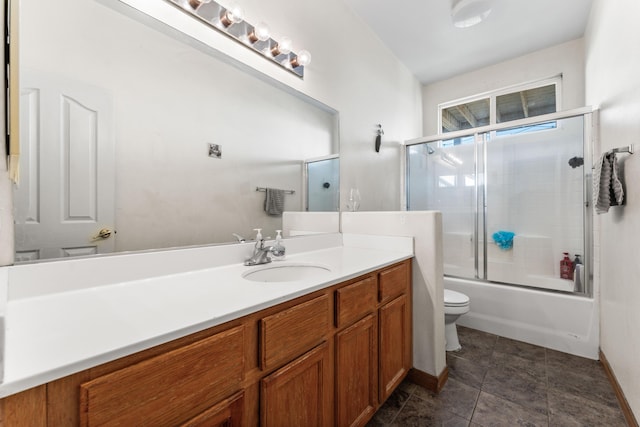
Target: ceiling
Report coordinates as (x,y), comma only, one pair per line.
(421,34)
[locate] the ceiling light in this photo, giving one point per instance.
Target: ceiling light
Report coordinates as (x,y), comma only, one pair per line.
(467,13)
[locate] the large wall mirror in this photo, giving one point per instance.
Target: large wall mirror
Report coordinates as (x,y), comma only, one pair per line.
(116,122)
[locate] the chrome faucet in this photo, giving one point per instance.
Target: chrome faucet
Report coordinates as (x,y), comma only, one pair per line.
(260,254)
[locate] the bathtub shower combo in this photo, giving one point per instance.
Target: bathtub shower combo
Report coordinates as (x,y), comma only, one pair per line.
(514,198)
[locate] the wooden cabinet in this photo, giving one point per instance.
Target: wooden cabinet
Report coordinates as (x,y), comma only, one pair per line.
(227,413)
(291,332)
(374,351)
(331,357)
(299,393)
(395,344)
(357,372)
(167,389)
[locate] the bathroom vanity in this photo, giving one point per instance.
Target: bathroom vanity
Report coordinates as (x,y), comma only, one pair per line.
(330,353)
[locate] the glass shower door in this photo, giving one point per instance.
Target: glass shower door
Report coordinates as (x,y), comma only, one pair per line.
(535,203)
(444,175)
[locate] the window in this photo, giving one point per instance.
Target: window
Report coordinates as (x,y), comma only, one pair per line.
(504,105)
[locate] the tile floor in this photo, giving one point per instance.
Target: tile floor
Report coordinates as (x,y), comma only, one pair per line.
(495,381)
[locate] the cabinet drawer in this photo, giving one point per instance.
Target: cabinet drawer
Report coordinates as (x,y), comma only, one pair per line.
(167,389)
(394,281)
(356,300)
(293,331)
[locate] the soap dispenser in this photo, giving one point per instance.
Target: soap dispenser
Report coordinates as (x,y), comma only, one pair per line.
(278,251)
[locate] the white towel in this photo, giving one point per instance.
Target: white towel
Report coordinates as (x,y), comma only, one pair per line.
(607,187)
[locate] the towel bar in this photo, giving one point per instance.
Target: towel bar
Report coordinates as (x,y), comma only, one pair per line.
(286,191)
(627,149)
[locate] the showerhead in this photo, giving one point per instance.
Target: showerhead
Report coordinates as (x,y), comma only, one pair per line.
(430,150)
(574,162)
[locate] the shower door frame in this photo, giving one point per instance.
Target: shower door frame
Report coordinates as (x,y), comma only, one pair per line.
(587,113)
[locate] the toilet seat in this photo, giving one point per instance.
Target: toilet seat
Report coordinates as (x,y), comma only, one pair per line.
(455,299)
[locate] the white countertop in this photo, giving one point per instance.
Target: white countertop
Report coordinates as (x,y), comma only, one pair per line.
(56,334)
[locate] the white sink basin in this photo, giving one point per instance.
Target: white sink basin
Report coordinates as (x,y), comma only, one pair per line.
(286,272)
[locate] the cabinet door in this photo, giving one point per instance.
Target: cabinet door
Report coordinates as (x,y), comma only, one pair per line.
(227,413)
(395,344)
(357,372)
(298,394)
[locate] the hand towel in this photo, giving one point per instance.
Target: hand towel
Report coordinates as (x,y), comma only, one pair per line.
(601,184)
(607,186)
(274,201)
(616,191)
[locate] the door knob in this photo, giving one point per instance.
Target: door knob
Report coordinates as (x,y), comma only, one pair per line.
(105,233)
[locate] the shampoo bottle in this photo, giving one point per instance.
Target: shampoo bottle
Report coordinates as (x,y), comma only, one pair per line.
(566,267)
(278,251)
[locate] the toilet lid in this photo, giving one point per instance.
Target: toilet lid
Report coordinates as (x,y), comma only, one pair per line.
(453,298)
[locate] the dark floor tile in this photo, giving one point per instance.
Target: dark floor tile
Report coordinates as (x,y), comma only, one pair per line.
(476,345)
(418,412)
(534,368)
(521,349)
(456,397)
(566,409)
(469,372)
(407,386)
(594,385)
(560,360)
(391,406)
(495,411)
(517,386)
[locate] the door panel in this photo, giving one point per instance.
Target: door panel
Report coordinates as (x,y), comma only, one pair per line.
(66,192)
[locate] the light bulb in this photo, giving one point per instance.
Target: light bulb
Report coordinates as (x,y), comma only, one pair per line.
(260,32)
(234,14)
(302,59)
(283,46)
(197,3)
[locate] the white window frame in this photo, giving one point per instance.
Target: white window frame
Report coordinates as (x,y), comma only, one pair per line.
(492,95)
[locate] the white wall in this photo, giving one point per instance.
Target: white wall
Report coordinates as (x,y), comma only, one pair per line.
(428,295)
(612,83)
(566,59)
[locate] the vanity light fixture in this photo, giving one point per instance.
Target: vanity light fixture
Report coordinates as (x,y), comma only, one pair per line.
(283,47)
(196,3)
(234,14)
(260,32)
(230,21)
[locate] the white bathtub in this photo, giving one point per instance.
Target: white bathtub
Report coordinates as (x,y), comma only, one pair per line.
(561,322)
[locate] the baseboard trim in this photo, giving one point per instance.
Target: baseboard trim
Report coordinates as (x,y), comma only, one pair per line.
(428,381)
(622,400)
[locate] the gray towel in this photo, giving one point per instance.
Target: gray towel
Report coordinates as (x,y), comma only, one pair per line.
(607,187)
(274,201)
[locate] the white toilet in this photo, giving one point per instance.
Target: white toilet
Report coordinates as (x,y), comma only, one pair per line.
(455,305)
